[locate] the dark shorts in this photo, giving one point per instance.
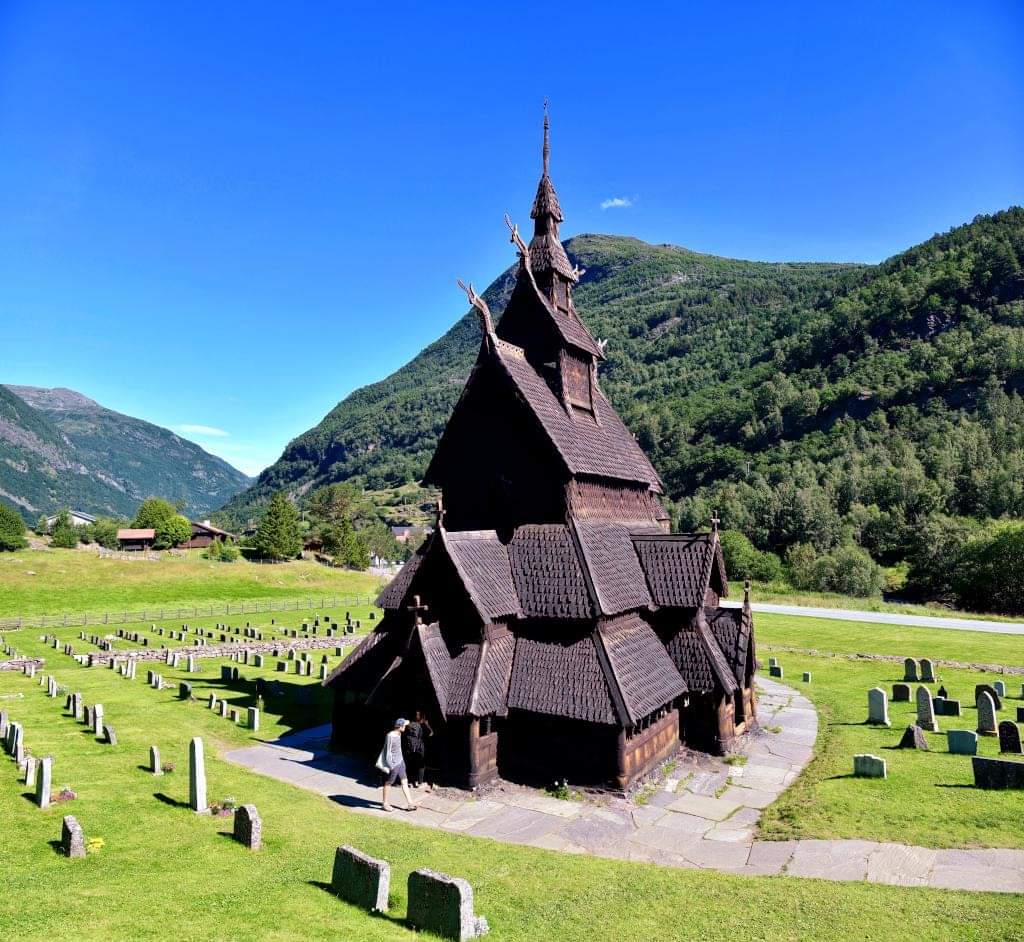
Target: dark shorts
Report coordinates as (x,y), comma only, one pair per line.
(396,774)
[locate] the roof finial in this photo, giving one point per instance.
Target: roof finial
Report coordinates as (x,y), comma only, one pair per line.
(715,521)
(547,142)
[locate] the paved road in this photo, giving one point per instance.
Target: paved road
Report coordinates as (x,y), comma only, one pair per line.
(890,618)
(703,817)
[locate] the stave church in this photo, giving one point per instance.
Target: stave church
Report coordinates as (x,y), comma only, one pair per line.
(551,627)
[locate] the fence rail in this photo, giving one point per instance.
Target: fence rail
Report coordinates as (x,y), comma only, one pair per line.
(240,607)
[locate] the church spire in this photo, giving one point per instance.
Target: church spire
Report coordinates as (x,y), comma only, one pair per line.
(547,257)
(546,151)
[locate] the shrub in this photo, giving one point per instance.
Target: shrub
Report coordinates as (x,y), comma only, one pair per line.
(848,570)
(12,529)
(743,560)
(222,551)
(987,577)
(64,534)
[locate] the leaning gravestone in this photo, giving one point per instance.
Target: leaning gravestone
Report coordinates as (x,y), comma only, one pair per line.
(901,693)
(868,766)
(927,671)
(986,714)
(913,738)
(1009,737)
(248,828)
(991,691)
(997,773)
(196,777)
(361,880)
(72,840)
(925,711)
(878,707)
(909,669)
(962,742)
(44,782)
(443,905)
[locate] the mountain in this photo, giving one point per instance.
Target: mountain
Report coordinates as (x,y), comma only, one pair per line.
(677,316)
(807,403)
(59,448)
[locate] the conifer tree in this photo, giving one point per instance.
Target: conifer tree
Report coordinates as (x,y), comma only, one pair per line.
(64,533)
(277,536)
(12,529)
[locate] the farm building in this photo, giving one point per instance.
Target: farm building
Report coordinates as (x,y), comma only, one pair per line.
(78,519)
(133,539)
(551,627)
(204,533)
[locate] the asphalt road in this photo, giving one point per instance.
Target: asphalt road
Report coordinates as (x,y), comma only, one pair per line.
(891,618)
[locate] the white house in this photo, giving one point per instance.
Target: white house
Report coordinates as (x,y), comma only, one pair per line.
(78,519)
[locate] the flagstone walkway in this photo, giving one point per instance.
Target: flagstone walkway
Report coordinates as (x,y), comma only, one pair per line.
(704,816)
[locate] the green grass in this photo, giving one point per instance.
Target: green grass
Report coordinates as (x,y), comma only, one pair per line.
(851,637)
(36,582)
(165,872)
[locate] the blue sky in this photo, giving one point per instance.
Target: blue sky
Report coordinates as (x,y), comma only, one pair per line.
(224,217)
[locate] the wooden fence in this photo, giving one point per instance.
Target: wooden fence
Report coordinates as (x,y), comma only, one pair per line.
(250,607)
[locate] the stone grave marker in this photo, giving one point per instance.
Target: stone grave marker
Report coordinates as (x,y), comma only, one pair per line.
(868,766)
(225,672)
(248,828)
(1000,688)
(184,691)
(913,738)
(909,669)
(997,702)
(97,718)
(361,880)
(878,707)
(927,671)
(443,905)
(252,719)
(775,672)
(72,840)
(31,767)
(901,693)
(1020,714)
(44,781)
(1009,737)
(257,660)
(986,714)
(997,773)
(4,724)
(925,711)
(18,743)
(196,777)
(962,742)
(109,735)
(154,761)
(87,715)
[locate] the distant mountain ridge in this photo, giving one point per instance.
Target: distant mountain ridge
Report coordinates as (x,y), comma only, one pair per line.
(58,448)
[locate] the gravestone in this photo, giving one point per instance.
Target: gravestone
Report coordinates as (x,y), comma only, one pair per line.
(87,715)
(184,691)
(18,743)
(775,672)
(97,719)
(154,761)
(1020,714)
(997,702)
(224,708)
(962,742)
(72,840)
(1000,688)
(901,693)
(997,773)
(248,827)
(913,738)
(196,777)
(109,736)
(909,669)
(1009,737)
(44,781)
(361,880)
(443,905)
(213,701)
(945,707)
(986,714)
(190,664)
(878,707)
(868,766)
(257,660)
(925,712)
(4,724)
(282,666)
(252,719)
(225,672)
(927,671)
(31,768)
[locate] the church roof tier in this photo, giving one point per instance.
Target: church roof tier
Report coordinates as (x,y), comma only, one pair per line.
(680,567)
(482,562)
(699,658)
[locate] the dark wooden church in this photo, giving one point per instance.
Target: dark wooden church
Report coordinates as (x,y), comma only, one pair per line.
(551,627)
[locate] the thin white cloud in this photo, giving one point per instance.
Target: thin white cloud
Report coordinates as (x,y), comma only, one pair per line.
(617,202)
(205,431)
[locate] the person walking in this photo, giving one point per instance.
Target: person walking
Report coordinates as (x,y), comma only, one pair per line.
(392,763)
(414,745)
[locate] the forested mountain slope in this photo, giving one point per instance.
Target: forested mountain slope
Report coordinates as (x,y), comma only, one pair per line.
(676,320)
(61,449)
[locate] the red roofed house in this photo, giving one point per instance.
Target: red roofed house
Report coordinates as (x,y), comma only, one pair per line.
(135,539)
(204,533)
(551,627)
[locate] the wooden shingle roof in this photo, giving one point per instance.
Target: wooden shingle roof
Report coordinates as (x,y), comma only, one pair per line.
(616,579)
(547,573)
(490,692)
(732,628)
(679,567)
(699,659)
(482,562)
(393,594)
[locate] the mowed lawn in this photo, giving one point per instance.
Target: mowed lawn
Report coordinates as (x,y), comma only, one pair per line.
(928,797)
(166,873)
(37,582)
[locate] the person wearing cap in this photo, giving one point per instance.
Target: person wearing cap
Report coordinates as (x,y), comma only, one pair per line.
(392,763)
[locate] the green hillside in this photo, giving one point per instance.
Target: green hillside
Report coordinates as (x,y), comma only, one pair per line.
(811,405)
(60,449)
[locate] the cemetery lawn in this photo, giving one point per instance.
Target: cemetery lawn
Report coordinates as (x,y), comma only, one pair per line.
(164,872)
(928,798)
(37,582)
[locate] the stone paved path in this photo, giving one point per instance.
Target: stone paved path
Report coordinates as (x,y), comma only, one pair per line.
(704,816)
